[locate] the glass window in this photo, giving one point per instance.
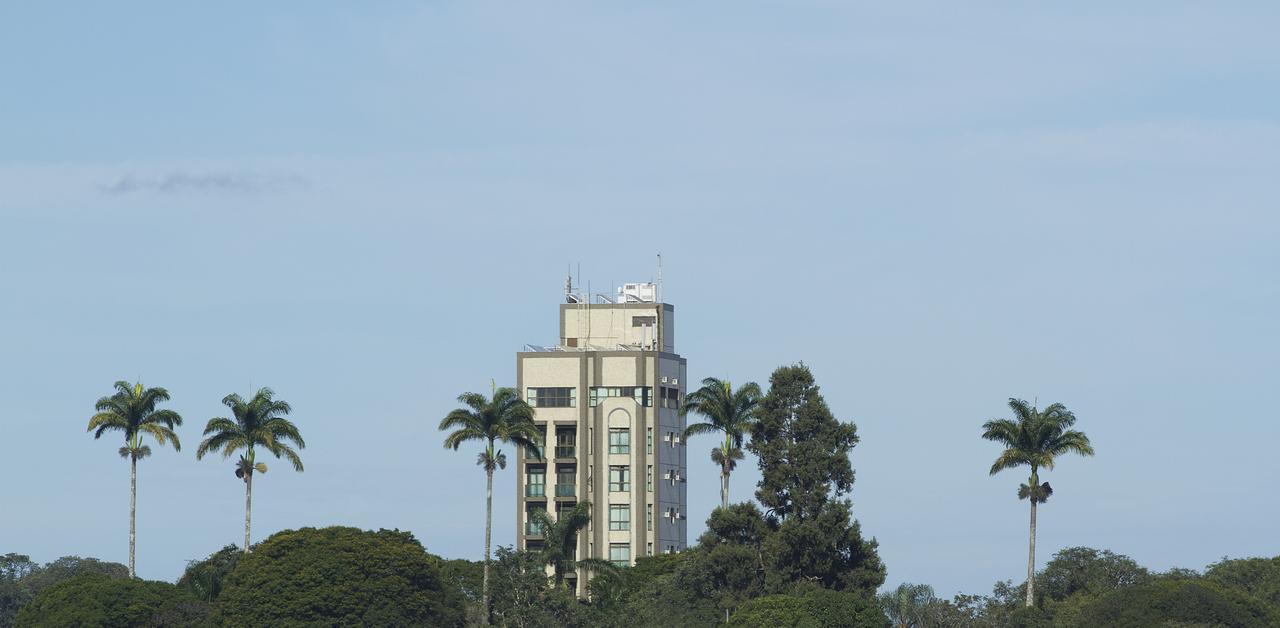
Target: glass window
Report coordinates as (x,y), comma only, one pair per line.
(619,517)
(599,393)
(648,517)
(648,443)
(619,479)
(670,397)
(552,397)
(619,441)
(535,481)
(620,554)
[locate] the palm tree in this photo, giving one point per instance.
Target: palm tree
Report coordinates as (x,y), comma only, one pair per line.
(1035,439)
(132,410)
(560,541)
(907,605)
(259,422)
(729,411)
(505,418)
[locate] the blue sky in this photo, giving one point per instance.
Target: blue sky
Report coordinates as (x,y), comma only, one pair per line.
(370,210)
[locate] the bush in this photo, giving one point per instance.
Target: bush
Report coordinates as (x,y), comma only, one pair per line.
(94,599)
(339,576)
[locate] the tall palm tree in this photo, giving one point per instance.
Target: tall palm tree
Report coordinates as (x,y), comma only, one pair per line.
(132,410)
(505,418)
(560,541)
(259,422)
(1035,439)
(728,411)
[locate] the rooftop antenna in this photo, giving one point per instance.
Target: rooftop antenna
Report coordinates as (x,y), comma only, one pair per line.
(658,295)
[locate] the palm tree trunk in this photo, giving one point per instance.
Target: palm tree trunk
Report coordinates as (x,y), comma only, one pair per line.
(133,510)
(488,529)
(248,506)
(1031,557)
(724,488)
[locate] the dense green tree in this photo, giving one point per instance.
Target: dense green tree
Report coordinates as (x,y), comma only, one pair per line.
(803,449)
(132,411)
(259,422)
(1035,439)
(92,599)
(1258,577)
(729,412)
(505,418)
(816,608)
(339,576)
(805,471)
(14,593)
(665,590)
(908,605)
(203,579)
(522,599)
(1176,601)
(1087,570)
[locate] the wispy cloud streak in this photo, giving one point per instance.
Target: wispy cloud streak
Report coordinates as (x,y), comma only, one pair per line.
(205,183)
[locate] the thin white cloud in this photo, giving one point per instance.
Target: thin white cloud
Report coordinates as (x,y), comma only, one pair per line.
(209,182)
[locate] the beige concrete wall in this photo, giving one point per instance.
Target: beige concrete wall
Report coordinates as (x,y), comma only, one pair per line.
(606,326)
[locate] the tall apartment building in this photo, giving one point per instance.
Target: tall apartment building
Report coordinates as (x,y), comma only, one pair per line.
(608,398)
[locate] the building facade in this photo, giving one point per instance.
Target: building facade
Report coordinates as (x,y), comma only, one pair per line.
(607,398)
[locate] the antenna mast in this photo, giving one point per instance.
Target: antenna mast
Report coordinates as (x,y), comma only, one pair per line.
(658,296)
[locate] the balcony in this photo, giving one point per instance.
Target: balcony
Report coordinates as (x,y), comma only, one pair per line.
(532,454)
(532,529)
(566,490)
(565,451)
(535,490)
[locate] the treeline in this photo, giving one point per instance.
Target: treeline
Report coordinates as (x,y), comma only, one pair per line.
(344,576)
(1084,587)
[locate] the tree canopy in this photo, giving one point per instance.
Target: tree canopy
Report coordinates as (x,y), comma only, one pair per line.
(338,576)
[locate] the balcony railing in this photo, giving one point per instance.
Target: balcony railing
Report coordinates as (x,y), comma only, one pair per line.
(533,529)
(535,490)
(565,490)
(565,451)
(532,454)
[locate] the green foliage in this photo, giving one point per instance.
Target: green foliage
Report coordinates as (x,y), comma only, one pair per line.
(817,608)
(560,538)
(21,579)
(803,449)
(1036,439)
(132,410)
(908,605)
(805,469)
(1086,570)
(1165,601)
(14,591)
(463,575)
(204,579)
(339,576)
(93,599)
(259,422)
(1257,577)
(522,599)
(503,419)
